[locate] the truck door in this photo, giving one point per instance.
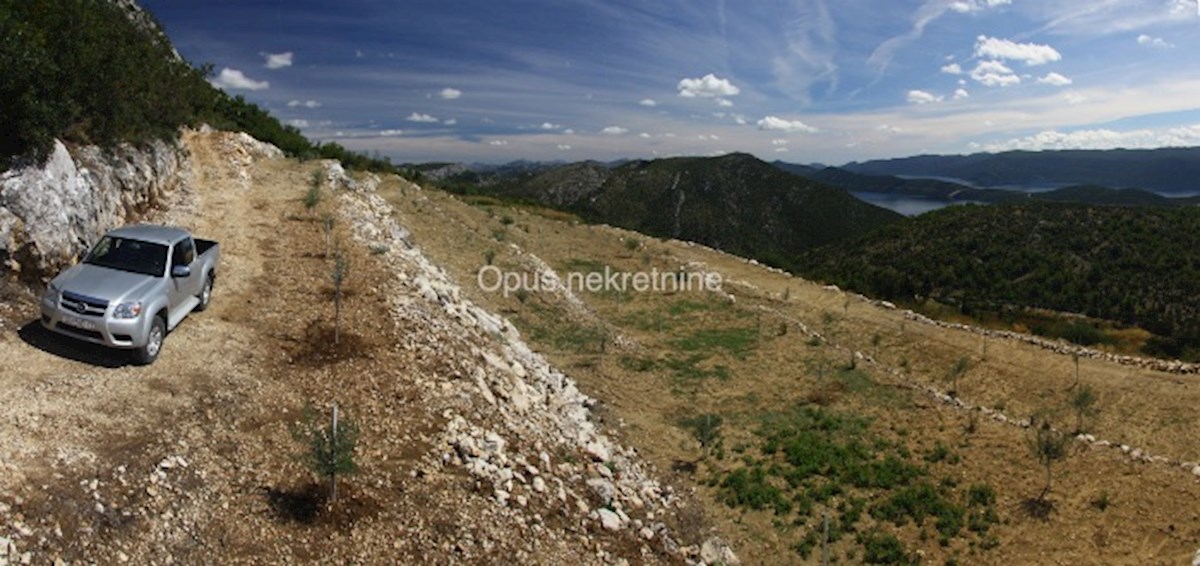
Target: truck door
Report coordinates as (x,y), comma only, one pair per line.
(181,288)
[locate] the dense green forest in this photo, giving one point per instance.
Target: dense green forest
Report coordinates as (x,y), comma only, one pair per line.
(1137,266)
(89,71)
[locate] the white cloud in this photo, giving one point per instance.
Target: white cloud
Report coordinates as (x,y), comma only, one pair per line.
(306,104)
(1074,98)
(424,118)
(614,131)
(781,150)
(1151,41)
(1054,79)
(550,126)
(1102,139)
(994,73)
(922,97)
(278,60)
(780,141)
(889,129)
(776,124)
(724,102)
(952,69)
(564,147)
(498,142)
(648,102)
(299,123)
(450,93)
(1030,53)
(391,133)
(644,135)
(450,121)
(235,79)
(708,86)
(708,137)
(961,93)
(967,6)
(569,131)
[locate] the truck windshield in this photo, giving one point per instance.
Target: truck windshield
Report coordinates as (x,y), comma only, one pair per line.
(129,255)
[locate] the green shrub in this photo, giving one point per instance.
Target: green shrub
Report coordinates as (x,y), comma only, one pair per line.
(884,549)
(749,487)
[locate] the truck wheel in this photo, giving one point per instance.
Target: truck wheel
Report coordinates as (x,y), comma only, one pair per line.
(205,295)
(154,341)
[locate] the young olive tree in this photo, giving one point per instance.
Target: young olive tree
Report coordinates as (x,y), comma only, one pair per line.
(329,450)
(341,270)
(959,369)
(1084,404)
(1047,446)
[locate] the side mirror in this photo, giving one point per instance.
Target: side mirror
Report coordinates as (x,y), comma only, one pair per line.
(181,271)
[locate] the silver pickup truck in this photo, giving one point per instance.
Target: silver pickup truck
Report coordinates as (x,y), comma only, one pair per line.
(135,285)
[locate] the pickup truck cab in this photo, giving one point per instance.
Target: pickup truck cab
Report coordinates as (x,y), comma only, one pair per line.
(132,288)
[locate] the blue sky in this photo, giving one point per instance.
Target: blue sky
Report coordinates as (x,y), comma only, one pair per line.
(801,80)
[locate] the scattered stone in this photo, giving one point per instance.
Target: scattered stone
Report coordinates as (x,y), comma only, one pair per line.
(609,520)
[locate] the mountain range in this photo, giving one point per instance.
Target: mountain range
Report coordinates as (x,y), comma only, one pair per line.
(1167,170)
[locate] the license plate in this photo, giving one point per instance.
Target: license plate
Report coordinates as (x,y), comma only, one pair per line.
(81,323)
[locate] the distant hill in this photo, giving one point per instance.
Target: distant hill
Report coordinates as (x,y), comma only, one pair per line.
(736,203)
(1139,266)
(1167,170)
(955,192)
(926,188)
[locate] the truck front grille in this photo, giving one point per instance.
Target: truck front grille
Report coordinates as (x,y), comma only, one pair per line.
(83,304)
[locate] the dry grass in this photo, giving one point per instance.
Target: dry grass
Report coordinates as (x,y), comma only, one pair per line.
(651,381)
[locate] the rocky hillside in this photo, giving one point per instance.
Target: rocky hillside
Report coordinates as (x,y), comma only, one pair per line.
(49,213)
(472,446)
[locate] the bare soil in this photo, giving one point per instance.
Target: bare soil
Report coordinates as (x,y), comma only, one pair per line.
(191,459)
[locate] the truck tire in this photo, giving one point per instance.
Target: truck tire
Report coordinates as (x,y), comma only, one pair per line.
(205,295)
(154,341)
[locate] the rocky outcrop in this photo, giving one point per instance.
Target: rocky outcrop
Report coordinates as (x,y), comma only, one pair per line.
(52,212)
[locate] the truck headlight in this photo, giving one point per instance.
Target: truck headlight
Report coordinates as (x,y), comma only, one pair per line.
(52,293)
(127,310)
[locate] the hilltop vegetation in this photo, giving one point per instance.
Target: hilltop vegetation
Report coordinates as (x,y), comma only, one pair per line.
(736,202)
(99,72)
(1138,266)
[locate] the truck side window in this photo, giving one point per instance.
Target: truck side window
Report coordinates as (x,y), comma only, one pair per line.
(185,253)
